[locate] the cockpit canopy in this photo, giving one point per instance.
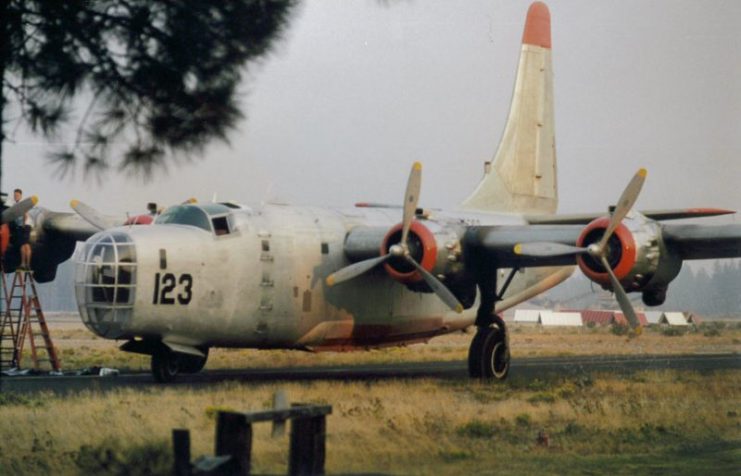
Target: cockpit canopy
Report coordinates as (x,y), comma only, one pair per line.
(211,217)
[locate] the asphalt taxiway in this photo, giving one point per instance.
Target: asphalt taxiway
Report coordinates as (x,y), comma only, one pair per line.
(527,368)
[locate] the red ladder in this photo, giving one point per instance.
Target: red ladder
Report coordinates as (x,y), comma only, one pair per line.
(8,330)
(25,319)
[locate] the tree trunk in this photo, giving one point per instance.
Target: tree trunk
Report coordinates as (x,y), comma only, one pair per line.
(4,56)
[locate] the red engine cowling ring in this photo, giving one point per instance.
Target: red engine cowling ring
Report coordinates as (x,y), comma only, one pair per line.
(429,252)
(4,238)
(627,252)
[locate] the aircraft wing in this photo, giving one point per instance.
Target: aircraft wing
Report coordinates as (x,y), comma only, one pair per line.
(688,242)
(495,245)
(703,242)
(659,215)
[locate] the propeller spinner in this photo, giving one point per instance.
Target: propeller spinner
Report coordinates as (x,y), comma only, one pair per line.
(401,250)
(598,251)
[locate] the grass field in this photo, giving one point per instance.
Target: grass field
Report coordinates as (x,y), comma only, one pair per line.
(648,423)
(658,422)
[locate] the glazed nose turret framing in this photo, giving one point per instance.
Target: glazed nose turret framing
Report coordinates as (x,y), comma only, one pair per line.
(105,282)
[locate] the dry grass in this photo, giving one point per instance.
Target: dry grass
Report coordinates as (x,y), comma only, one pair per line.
(666,420)
(79,348)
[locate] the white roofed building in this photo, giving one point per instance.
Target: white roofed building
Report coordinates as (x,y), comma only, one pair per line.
(570,319)
(673,319)
(548,318)
(527,316)
(653,317)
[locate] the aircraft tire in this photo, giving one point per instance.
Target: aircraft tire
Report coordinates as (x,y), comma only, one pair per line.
(165,365)
(488,355)
(190,364)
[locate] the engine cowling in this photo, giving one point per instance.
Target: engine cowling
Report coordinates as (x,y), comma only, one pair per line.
(637,255)
(422,247)
(434,245)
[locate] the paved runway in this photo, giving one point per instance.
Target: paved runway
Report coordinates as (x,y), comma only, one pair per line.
(528,368)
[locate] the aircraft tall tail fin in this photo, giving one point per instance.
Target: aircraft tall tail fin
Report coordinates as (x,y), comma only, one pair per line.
(522,175)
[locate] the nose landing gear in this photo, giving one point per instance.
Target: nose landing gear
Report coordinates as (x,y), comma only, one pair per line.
(166,364)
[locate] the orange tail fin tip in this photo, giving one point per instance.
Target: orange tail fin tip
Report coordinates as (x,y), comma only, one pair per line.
(538,26)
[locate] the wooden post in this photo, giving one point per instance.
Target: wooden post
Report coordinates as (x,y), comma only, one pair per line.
(280,402)
(234,438)
(181,449)
(308,442)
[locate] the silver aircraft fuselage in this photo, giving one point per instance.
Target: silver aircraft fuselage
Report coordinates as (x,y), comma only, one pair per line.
(255,278)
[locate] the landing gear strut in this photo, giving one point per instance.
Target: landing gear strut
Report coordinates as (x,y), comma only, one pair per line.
(488,356)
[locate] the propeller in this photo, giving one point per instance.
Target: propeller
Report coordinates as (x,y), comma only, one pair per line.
(598,250)
(18,209)
(401,249)
(91,215)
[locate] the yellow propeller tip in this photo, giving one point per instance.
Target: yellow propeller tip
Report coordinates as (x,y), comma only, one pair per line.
(35,199)
(74,203)
(330,280)
(459,309)
(518,249)
(643,173)
(417,166)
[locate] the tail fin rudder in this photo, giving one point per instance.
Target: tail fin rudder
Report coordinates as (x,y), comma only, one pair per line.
(522,176)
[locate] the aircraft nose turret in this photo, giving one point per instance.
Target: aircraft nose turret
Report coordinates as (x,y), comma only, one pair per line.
(105,282)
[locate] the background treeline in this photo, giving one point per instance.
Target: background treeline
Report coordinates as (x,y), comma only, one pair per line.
(712,289)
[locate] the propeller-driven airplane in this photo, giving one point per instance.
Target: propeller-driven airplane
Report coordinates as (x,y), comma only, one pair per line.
(275,276)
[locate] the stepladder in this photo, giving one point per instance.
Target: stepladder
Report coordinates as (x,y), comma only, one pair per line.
(23,322)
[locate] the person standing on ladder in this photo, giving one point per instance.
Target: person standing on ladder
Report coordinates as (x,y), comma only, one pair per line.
(22,233)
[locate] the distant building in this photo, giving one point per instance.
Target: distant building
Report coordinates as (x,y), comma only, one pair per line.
(548,318)
(673,319)
(527,316)
(598,318)
(695,319)
(619,318)
(567,319)
(653,317)
(608,318)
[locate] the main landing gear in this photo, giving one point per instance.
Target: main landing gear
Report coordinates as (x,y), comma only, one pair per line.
(488,356)
(166,364)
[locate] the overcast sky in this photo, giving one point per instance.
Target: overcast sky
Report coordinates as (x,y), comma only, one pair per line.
(358,90)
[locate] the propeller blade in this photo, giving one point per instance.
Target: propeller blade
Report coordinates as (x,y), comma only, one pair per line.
(438,287)
(625,203)
(622,297)
(19,209)
(90,215)
(544,249)
(411,196)
(354,270)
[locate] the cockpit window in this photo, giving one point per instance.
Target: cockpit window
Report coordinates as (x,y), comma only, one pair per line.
(221,226)
(201,216)
(185,215)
